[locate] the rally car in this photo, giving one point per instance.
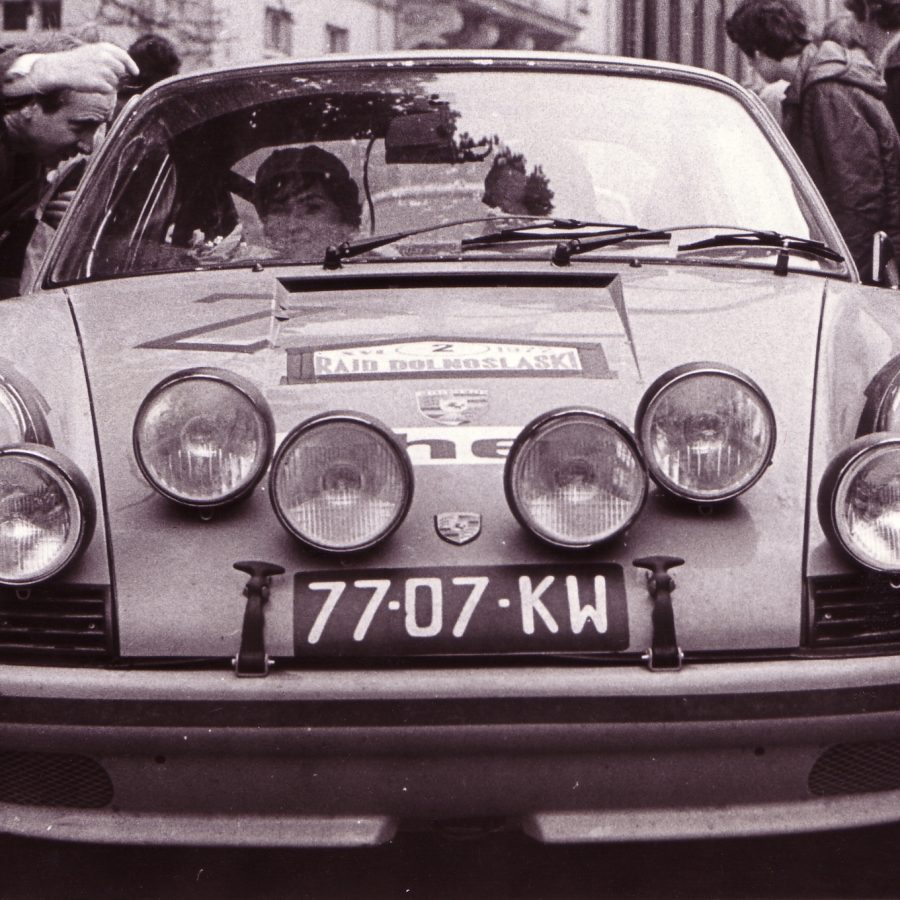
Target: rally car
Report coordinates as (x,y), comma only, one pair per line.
(560,491)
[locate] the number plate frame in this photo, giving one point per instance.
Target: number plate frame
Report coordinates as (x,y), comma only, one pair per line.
(461,610)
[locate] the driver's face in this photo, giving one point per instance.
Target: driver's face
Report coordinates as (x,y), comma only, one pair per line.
(55,136)
(304,221)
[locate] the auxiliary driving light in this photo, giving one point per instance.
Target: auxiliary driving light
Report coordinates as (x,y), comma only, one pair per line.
(859,501)
(341,481)
(47,513)
(707,432)
(574,477)
(203,437)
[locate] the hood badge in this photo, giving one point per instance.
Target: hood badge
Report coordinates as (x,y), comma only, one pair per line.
(458,527)
(452,406)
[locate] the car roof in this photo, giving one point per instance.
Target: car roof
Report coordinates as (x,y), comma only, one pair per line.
(475,59)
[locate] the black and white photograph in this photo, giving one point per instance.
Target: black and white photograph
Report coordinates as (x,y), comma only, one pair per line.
(449,449)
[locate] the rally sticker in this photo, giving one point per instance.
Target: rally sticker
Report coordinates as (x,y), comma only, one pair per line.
(450,357)
(452,407)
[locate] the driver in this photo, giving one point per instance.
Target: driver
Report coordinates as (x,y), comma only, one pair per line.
(306,201)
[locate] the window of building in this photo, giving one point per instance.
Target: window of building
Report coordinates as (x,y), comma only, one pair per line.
(279,30)
(51,14)
(338,39)
(16,14)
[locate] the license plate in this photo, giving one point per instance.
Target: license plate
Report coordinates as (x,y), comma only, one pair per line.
(461,610)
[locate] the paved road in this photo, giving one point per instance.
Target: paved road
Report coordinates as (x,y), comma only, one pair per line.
(863,863)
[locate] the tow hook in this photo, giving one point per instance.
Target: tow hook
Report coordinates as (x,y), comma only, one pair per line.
(252,660)
(665,654)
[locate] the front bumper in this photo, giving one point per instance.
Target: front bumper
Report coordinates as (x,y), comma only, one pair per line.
(342,758)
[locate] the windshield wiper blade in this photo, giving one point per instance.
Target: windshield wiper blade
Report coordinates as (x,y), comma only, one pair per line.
(349,249)
(757,238)
(528,232)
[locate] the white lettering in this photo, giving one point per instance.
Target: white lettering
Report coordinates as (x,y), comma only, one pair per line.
(578,614)
(478,583)
(379,588)
(335,589)
(433,586)
(531,604)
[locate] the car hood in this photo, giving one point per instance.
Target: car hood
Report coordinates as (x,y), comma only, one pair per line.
(456,364)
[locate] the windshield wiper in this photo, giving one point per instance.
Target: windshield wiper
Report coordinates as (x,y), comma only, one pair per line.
(785,243)
(349,249)
(733,237)
(530,232)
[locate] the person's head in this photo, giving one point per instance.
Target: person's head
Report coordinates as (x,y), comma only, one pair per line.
(306,200)
(769,32)
(59,124)
(508,187)
(884,14)
(156,57)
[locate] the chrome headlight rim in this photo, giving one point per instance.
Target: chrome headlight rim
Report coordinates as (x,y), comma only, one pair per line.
(843,464)
(882,395)
(28,406)
(528,433)
(65,469)
(345,417)
(677,375)
(241,385)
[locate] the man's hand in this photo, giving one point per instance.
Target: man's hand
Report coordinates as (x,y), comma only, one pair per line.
(94,68)
(56,208)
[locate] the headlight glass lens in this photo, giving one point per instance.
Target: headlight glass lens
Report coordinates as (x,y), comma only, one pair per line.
(866,506)
(889,412)
(341,484)
(203,439)
(43,524)
(575,478)
(706,436)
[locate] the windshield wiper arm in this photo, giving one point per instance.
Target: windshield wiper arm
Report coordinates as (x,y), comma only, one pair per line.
(565,250)
(335,253)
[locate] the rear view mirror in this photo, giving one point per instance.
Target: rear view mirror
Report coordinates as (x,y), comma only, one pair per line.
(884,262)
(420,138)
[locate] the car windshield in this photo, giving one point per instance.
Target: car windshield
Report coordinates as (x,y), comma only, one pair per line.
(277,165)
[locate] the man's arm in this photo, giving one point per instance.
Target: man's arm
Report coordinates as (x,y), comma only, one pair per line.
(95,68)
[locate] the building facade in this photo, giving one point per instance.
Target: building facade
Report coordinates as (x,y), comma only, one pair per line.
(216,32)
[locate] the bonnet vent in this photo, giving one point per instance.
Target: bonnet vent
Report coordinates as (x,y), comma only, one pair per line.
(55,621)
(853,610)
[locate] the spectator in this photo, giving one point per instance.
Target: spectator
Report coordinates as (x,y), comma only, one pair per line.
(834,114)
(156,58)
(42,126)
(877,29)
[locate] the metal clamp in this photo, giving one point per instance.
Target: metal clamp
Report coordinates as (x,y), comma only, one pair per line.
(252,660)
(664,654)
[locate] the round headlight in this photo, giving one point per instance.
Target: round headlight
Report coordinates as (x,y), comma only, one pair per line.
(859,501)
(203,437)
(574,477)
(340,482)
(707,432)
(21,410)
(47,513)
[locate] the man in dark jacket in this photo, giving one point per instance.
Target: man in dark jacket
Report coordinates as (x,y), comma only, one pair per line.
(834,115)
(877,29)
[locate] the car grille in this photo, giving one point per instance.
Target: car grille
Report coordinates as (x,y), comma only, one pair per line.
(856,769)
(854,609)
(53,779)
(56,620)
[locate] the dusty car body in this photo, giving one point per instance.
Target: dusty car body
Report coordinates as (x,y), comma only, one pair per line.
(514,522)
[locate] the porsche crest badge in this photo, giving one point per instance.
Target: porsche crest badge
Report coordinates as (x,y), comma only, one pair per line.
(458,527)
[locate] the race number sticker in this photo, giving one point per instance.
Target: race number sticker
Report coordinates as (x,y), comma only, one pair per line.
(429,358)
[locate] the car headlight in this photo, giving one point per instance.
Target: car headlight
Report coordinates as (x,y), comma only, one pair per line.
(574,477)
(707,432)
(859,501)
(341,481)
(203,437)
(47,513)
(21,410)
